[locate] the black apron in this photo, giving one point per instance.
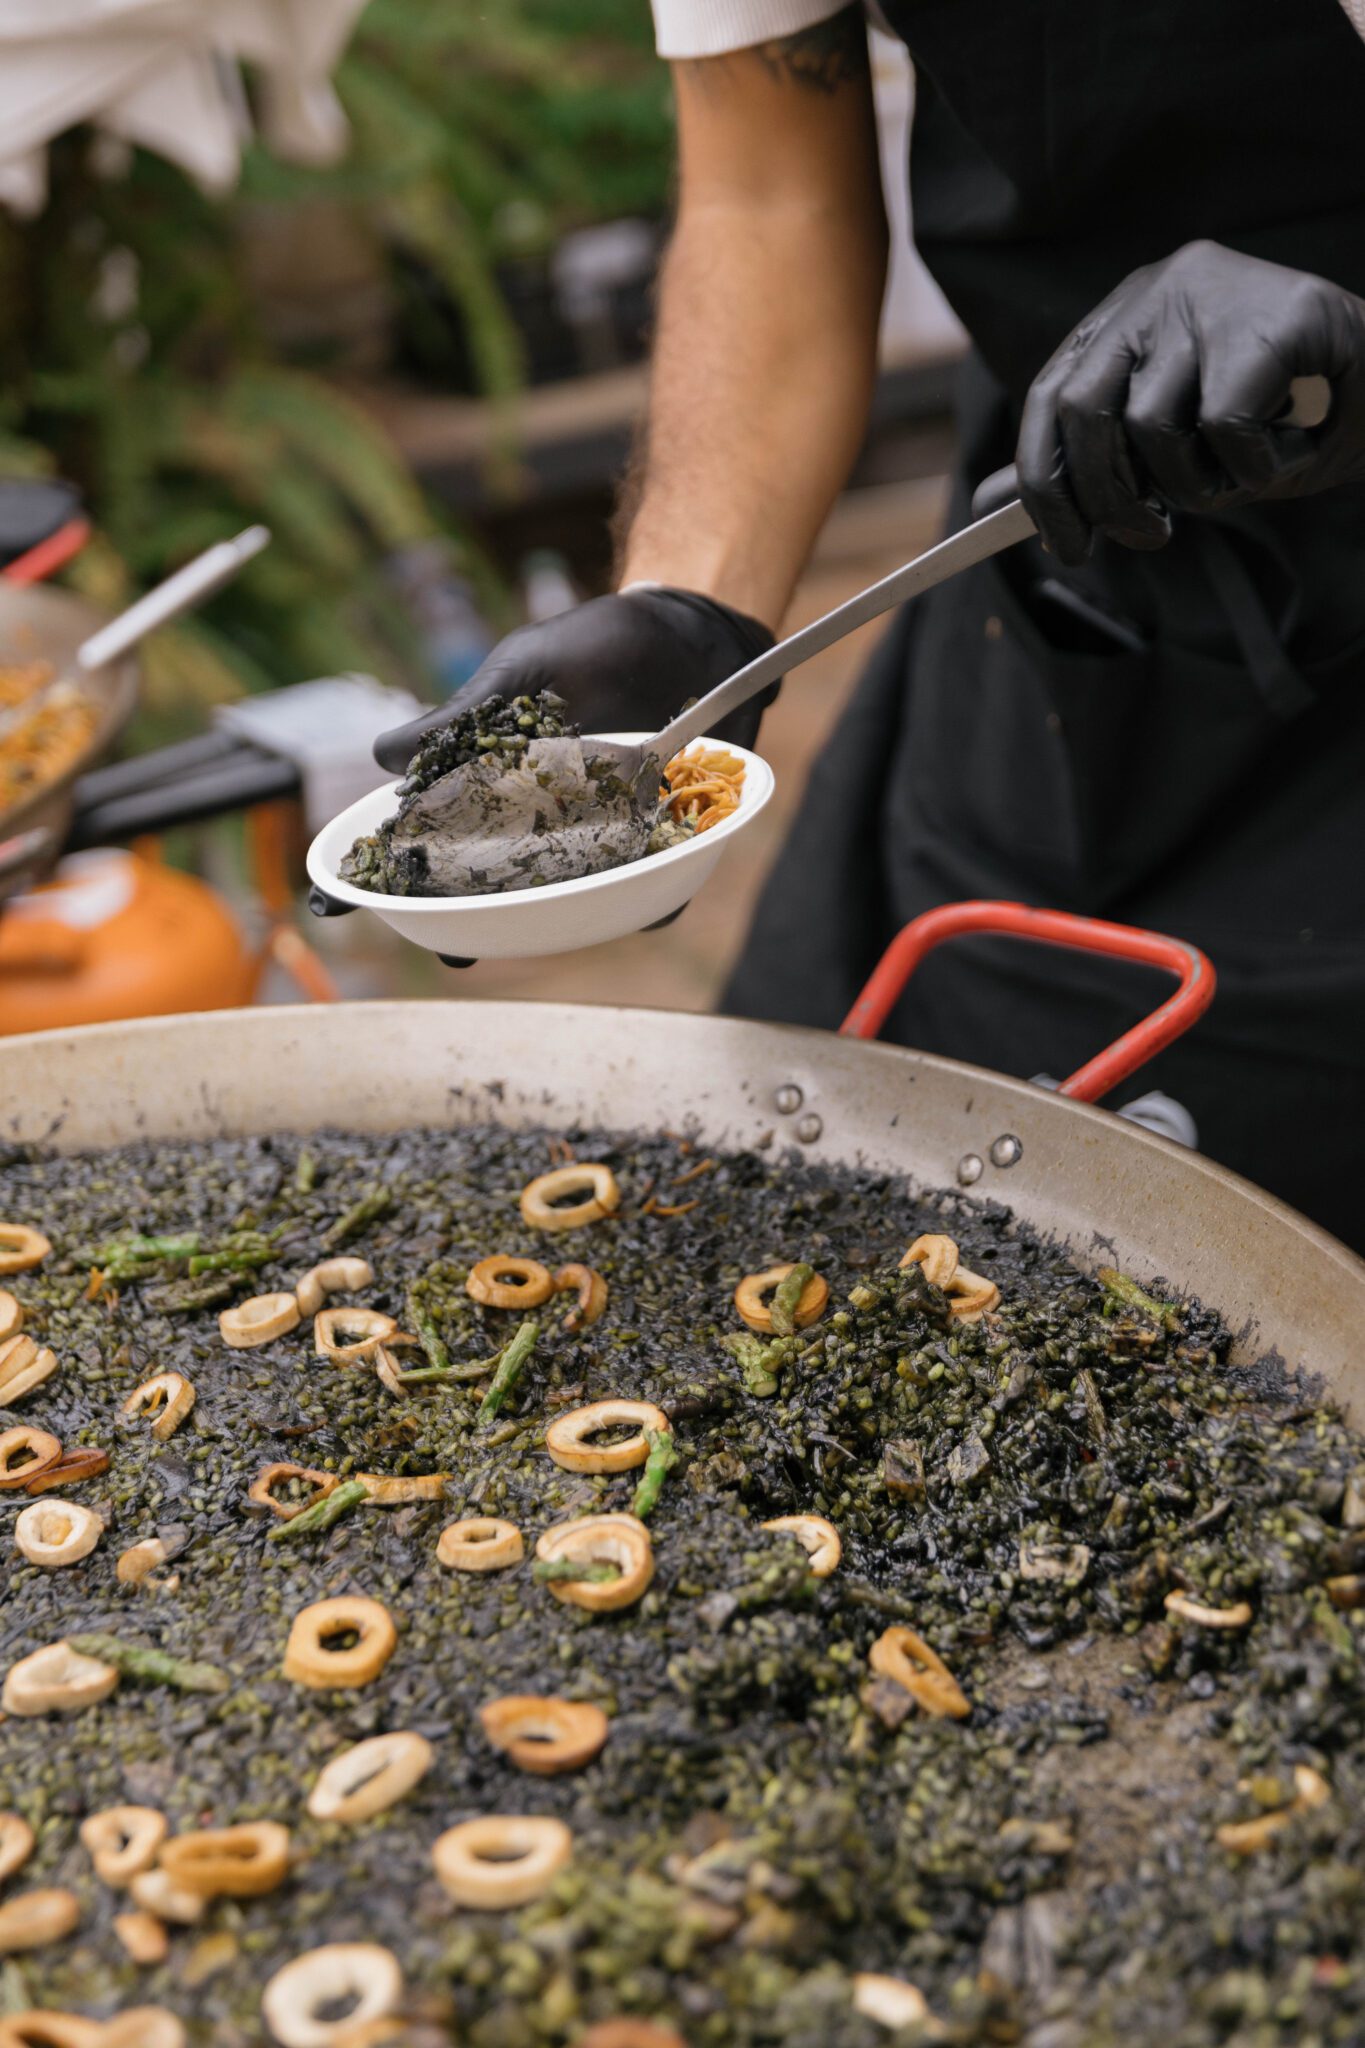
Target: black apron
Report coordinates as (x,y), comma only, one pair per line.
(1173,740)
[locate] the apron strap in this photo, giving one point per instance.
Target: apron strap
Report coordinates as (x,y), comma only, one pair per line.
(1279,682)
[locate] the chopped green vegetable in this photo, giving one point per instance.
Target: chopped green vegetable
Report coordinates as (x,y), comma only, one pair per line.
(1120,1288)
(548,1569)
(448,1375)
(663,1456)
(156,1667)
(787,1299)
(358,1217)
(242,1252)
(423,1326)
(131,1256)
(184,1297)
(511,1364)
(753,1356)
(323,1513)
(305,1172)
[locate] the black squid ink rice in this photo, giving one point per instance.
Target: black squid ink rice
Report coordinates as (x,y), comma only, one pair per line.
(1070,1501)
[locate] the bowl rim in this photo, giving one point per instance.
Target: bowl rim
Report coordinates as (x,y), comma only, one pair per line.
(758,788)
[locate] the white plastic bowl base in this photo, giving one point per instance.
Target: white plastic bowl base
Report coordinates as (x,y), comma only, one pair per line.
(556,919)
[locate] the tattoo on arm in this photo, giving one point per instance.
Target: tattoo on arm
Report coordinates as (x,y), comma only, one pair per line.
(821,58)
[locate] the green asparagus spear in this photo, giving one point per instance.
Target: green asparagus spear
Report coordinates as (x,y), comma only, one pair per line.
(448,1375)
(510,1365)
(1121,1289)
(181,1297)
(662,1458)
(358,1217)
(546,1569)
(157,1667)
(129,1257)
(240,1253)
(323,1513)
(787,1299)
(422,1325)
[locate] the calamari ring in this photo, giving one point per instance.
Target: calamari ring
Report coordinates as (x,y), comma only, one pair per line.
(1184,1608)
(509,1283)
(308,1661)
(904,1657)
(567,1437)
(262,1488)
(370,1776)
(143,1937)
(970,1297)
(56,1533)
(143,2026)
(56,1680)
(937,1255)
(123,1841)
(543,1734)
(43,1450)
(754,1310)
(818,1538)
(235,1863)
(334,1276)
(258,1321)
(24,1365)
(42,2028)
(33,1919)
(16,1844)
(591,1291)
(601,1539)
(21,1248)
(169,1395)
(540,1197)
(501,1860)
(629,2033)
(480,1543)
(299,1991)
(331,1339)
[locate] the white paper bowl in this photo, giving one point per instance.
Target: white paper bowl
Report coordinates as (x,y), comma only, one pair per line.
(556,919)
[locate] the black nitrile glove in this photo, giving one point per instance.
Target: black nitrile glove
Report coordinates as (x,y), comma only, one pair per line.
(625,663)
(1168,396)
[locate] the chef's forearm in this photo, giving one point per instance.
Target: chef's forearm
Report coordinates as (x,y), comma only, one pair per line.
(766,344)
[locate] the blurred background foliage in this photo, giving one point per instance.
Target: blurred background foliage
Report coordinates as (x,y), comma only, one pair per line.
(184,359)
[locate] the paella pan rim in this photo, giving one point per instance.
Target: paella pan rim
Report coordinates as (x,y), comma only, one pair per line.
(1111,1191)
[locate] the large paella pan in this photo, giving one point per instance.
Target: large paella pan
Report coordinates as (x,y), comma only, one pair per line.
(1038,1721)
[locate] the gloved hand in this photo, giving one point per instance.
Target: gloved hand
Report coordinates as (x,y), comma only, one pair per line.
(625,663)
(1170,391)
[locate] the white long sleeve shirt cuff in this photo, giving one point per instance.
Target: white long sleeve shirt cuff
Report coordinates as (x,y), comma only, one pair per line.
(708,28)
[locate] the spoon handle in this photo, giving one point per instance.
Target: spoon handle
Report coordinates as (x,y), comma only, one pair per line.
(197,580)
(960,551)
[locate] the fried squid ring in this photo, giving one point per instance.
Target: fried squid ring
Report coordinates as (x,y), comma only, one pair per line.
(509,1283)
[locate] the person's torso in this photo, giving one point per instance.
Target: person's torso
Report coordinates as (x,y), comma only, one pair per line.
(1059,145)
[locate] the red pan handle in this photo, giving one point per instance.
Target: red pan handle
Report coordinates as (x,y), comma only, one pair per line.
(50,555)
(1192,969)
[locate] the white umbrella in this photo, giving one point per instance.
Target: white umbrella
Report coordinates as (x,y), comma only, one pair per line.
(163,73)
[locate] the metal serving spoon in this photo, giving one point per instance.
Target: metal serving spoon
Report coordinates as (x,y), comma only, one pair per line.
(179,593)
(574,807)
